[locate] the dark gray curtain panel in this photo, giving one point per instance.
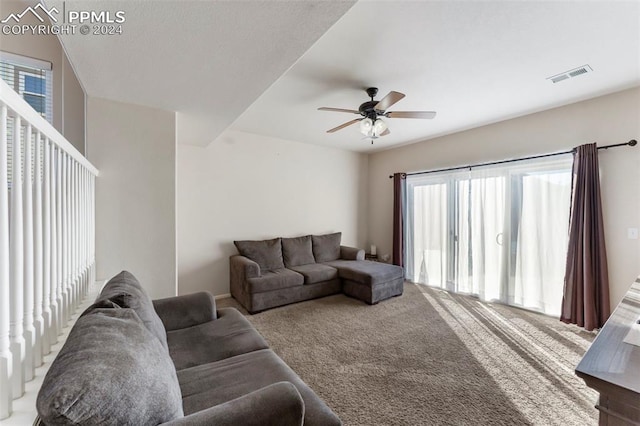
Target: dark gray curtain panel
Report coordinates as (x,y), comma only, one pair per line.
(399,189)
(585,299)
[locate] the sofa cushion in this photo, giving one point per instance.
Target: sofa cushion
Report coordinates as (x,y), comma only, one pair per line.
(222,381)
(266,253)
(297,251)
(316,272)
(275,280)
(229,335)
(367,272)
(110,371)
(125,291)
(326,247)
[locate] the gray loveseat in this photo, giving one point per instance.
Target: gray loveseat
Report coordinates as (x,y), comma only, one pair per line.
(174,361)
(280,271)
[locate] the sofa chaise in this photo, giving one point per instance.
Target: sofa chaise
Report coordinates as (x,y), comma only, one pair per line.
(270,273)
(176,361)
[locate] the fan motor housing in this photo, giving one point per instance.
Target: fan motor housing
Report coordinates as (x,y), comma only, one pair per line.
(367,108)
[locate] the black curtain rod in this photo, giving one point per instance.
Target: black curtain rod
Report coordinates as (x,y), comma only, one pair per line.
(632,142)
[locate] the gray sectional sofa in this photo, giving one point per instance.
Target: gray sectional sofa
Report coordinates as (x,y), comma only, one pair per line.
(276,272)
(177,361)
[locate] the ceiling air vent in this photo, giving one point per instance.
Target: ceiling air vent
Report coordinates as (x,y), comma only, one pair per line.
(559,78)
(570,74)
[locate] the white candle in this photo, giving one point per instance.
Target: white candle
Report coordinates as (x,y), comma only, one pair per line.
(373,250)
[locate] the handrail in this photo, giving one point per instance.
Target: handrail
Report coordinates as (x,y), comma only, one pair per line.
(18,105)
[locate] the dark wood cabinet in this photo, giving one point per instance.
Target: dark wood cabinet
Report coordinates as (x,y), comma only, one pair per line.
(612,366)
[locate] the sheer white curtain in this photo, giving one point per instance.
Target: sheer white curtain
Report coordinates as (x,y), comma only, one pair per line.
(481,218)
(498,232)
(542,241)
(427,234)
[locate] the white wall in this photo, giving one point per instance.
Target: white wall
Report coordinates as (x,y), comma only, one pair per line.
(246,186)
(133,147)
(606,120)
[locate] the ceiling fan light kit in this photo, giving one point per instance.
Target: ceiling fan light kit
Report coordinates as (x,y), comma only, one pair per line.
(379,127)
(371,125)
(366,126)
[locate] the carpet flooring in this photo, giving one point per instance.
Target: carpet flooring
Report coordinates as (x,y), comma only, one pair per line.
(430,357)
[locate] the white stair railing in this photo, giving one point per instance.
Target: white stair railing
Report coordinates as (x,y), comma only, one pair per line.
(47,239)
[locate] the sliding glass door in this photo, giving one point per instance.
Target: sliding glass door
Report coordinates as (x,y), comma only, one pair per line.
(498,232)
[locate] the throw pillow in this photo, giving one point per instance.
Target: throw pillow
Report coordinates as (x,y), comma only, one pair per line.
(326,247)
(110,371)
(125,291)
(297,251)
(267,253)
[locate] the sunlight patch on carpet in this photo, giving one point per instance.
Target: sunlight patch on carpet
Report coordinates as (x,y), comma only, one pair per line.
(522,364)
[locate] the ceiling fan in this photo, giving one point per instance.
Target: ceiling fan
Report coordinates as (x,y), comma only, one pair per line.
(371,124)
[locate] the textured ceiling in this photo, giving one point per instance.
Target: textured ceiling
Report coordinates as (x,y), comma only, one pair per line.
(207,60)
(473,62)
(266,66)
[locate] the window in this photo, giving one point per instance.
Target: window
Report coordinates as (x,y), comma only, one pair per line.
(32,79)
(498,232)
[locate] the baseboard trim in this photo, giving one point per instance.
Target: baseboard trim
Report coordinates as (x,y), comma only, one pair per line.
(222,296)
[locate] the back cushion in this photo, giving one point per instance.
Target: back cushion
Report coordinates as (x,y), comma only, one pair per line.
(110,371)
(266,253)
(326,247)
(297,251)
(125,291)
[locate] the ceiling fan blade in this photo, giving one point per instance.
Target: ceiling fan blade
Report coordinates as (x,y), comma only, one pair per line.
(411,114)
(385,133)
(389,100)
(342,126)
(353,111)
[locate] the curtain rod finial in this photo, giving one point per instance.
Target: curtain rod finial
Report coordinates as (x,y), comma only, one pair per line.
(633,142)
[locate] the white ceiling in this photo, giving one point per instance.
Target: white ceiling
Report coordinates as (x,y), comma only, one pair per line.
(207,60)
(473,62)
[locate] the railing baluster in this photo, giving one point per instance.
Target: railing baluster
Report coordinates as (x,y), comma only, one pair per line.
(83,239)
(46,230)
(86,232)
(53,194)
(62,289)
(69,238)
(17,265)
(93,228)
(66,241)
(76,241)
(38,320)
(80,235)
(6,406)
(27,213)
(70,250)
(59,239)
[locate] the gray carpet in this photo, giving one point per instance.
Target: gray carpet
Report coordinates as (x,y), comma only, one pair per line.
(433,358)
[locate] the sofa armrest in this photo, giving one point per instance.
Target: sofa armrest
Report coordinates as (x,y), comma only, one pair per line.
(240,270)
(186,311)
(351,253)
(244,267)
(279,404)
